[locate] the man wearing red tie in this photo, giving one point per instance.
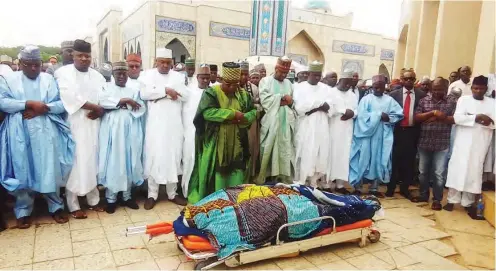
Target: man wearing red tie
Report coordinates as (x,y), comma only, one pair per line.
(406,134)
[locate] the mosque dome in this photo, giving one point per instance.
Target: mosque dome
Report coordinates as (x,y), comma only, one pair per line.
(318,4)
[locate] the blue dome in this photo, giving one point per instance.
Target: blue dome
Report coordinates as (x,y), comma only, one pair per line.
(317,4)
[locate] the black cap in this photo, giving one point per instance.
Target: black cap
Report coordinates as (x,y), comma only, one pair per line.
(480,80)
(82,46)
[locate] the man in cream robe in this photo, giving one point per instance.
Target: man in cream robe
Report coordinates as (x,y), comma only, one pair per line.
(278,126)
(80,87)
(341,131)
(314,105)
(165,91)
(474,120)
(189,112)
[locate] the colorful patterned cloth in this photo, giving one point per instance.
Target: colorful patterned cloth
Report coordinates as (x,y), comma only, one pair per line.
(248,216)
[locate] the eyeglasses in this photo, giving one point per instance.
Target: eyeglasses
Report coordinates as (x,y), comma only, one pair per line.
(409,78)
(32,65)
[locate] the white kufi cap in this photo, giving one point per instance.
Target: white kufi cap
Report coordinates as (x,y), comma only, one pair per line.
(163,53)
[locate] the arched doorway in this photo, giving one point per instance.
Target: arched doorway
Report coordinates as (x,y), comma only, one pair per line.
(106,51)
(138,49)
(384,71)
(179,51)
(303,48)
(399,58)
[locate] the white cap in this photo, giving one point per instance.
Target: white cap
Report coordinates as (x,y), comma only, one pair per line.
(163,53)
(5,58)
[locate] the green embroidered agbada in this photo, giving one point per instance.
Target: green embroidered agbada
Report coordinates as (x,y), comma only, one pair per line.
(277,148)
(222,150)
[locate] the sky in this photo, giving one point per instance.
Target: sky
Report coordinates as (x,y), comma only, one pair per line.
(49,22)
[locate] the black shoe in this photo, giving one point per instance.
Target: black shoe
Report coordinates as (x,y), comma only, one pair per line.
(131,204)
(111,208)
(448,207)
(389,194)
(149,203)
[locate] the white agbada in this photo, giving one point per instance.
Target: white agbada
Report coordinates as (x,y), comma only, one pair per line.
(192,81)
(5,69)
(312,136)
(189,111)
(466,88)
(164,126)
(341,134)
(471,144)
(77,88)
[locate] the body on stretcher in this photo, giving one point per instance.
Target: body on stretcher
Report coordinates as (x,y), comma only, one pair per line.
(204,254)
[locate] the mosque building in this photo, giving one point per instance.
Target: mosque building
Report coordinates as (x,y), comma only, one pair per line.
(437,37)
(217,31)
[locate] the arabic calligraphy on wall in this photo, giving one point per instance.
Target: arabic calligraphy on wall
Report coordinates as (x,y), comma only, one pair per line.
(164,24)
(387,54)
(353,48)
(229,31)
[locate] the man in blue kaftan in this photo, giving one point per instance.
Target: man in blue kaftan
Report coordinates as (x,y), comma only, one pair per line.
(372,143)
(36,145)
(121,139)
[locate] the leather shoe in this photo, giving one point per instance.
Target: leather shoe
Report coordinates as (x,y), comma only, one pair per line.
(110,209)
(132,204)
(149,203)
(179,201)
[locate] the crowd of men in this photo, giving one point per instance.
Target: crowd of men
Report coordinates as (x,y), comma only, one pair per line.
(196,132)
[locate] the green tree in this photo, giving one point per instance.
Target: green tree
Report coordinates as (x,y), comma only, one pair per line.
(46,52)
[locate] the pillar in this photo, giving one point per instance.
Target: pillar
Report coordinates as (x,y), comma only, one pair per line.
(269,25)
(411,41)
(456,36)
(399,58)
(483,64)
(426,35)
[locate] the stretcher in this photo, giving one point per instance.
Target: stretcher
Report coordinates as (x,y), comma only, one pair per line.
(203,253)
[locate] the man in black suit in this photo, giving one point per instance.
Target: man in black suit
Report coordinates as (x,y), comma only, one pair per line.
(406,134)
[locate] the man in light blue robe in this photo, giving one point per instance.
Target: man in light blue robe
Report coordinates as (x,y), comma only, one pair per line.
(36,145)
(372,143)
(121,139)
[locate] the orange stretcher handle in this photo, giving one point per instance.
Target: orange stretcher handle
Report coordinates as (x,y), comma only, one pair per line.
(195,238)
(158,231)
(198,246)
(159,225)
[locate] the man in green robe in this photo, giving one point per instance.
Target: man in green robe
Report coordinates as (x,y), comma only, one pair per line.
(278,126)
(222,120)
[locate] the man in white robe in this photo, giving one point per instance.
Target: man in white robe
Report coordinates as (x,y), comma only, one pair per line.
(474,120)
(190,69)
(165,91)
(314,106)
(189,112)
(341,132)
(213,75)
(80,87)
(464,83)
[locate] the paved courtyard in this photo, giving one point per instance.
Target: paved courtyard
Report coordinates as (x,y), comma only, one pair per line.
(413,237)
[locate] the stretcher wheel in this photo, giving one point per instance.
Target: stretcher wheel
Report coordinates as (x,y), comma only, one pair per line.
(374,236)
(201,264)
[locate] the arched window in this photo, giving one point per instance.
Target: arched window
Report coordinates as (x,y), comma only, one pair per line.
(132,50)
(105,51)
(138,49)
(125,53)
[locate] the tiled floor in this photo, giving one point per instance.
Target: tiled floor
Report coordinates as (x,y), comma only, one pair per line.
(409,240)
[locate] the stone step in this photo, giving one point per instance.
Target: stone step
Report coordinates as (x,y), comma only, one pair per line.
(488,198)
